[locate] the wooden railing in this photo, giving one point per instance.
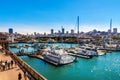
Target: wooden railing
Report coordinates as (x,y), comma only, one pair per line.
(33,75)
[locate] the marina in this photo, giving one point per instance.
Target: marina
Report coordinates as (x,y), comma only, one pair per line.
(96,67)
(60,40)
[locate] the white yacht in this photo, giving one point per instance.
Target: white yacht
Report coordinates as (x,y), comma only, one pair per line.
(86,51)
(60,56)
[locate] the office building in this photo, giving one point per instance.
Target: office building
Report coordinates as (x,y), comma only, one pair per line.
(63,30)
(52,31)
(114,30)
(72,31)
(10,31)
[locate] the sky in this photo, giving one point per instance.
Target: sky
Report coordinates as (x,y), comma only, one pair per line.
(29,16)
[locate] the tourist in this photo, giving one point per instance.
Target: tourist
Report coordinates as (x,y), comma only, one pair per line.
(19,76)
(8,63)
(3,66)
(11,63)
(15,63)
(25,75)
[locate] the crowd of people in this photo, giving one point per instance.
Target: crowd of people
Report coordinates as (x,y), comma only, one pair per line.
(9,64)
(6,64)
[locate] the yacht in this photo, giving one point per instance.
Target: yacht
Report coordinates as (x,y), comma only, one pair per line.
(60,56)
(85,51)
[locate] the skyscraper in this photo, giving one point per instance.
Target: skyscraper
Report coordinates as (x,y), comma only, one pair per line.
(72,31)
(52,31)
(35,34)
(63,30)
(10,31)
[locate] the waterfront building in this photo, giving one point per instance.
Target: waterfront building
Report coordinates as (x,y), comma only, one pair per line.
(3,41)
(10,31)
(11,38)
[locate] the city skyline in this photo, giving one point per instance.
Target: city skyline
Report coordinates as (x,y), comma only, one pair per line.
(29,16)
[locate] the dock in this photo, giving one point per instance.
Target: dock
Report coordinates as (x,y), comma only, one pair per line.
(42,58)
(81,56)
(37,56)
(111,49)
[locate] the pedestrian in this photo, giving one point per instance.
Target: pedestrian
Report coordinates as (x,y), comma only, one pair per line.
(25,75)
(8,64)
(15,63)
(11,63)
(19,76)
(3,65)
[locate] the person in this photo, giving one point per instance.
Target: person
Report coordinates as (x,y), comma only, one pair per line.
(5,61)
(25,75)
(19,76)
(8,64)
(3,65)
(11,63)
(15,63)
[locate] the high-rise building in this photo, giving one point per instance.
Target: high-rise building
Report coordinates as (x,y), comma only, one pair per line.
(63,30)
(114,30)
(35,33)
(10,31)
(52,31)
(59,32)
(72,31)
(67,32)
(109,31)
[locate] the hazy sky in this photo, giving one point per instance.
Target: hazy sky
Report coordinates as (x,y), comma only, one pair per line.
(26,16)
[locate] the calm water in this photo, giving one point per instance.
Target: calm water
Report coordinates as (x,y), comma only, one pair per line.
(105,67)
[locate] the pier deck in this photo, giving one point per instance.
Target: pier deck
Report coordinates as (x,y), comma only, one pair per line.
(40,57)
(12,73)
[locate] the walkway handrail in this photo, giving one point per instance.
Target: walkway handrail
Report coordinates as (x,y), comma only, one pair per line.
(28,68)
